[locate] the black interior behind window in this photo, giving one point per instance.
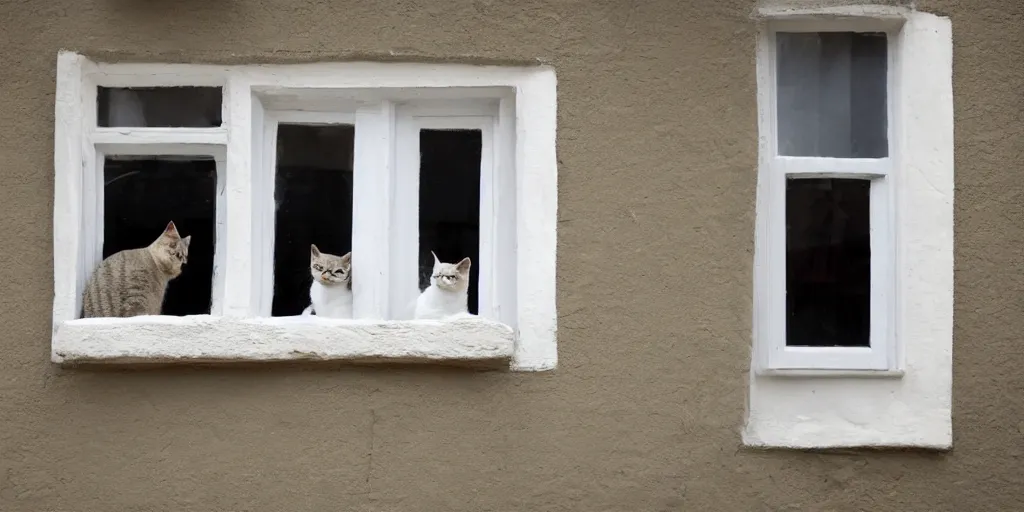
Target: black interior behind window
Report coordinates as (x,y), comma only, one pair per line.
(142,194)
(313,191)
(450,202)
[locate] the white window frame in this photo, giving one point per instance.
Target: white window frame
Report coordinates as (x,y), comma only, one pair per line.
(513,107)
(899,391)
(881,354)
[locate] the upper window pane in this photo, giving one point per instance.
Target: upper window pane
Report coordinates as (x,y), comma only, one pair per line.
(313,192)
(166,107)
(831,90)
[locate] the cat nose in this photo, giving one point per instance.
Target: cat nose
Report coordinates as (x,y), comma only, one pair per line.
(323,275)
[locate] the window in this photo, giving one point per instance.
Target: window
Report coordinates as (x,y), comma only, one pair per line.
(853,266)
(388,161)
(830,163)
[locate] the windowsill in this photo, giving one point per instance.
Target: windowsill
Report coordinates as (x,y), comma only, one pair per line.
(216,339)
(830,373)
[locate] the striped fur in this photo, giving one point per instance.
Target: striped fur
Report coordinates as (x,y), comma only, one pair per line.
(133,282)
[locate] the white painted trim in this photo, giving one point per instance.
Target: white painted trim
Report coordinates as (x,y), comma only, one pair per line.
(146,136)
(69,237)
(536,165)
(815,167)
(314,118)
(264,169)
(204,338)
(244,257)
(374,169)
(908,405)
(524,156)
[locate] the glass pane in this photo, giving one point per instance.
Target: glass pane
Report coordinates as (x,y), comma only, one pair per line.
(173,107)
(828,262)
(141,194)
(832,94)
(450,202)
(313,191)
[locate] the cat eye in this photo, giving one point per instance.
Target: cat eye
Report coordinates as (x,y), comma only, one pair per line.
(318,268)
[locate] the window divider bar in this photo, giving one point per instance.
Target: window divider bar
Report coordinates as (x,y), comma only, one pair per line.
(822,167)
(132,136)
(265,163)
(505,211)
(405,232)
(242,257)
(372,198)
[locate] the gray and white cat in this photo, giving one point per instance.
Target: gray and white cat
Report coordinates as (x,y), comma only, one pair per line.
(331,292)
(133,282)
(448,293)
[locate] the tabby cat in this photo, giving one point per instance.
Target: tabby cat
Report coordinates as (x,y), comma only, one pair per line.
(133,282)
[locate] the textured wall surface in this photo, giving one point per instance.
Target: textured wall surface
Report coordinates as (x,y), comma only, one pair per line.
(657,150)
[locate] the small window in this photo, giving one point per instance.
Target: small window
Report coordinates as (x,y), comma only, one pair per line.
(151,107)
(313,193)
(831,300)
(141,194)
(449,213)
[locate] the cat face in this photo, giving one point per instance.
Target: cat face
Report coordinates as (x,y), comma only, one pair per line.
(170,250)
(452,277)
(329,269)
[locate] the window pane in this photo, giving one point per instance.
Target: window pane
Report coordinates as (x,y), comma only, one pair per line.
(450,202)
(832,94)
(828,262)
(142,194)
(176,107)
(313,191)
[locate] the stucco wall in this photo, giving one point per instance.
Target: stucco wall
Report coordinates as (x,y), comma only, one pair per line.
(657,152)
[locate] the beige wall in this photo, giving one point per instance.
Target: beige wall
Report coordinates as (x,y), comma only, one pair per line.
(657,156)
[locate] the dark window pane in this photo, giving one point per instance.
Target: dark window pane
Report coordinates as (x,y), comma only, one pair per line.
(832,94)
(313,191)
(450,202)
(174,107)
(142,194)
(828,262)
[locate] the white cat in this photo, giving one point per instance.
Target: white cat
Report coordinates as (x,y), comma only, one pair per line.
(448,292)
(331,291)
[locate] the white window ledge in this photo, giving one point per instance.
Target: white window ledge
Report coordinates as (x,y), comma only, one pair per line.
(215,339)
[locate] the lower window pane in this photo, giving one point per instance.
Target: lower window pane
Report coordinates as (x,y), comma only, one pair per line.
(828,262)
(313,191)
(142,194)
(450,202)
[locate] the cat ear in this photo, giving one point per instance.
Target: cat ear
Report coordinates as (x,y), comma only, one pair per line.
(185,241)
(436,261)
(313,251)
(463,266)
(171,230)
(346,260)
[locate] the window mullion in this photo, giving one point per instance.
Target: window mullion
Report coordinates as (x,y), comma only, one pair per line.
(505,212)
(242,242)
(373,172)
(404,232)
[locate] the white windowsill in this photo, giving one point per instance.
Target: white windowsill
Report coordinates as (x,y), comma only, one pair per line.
(217,339)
